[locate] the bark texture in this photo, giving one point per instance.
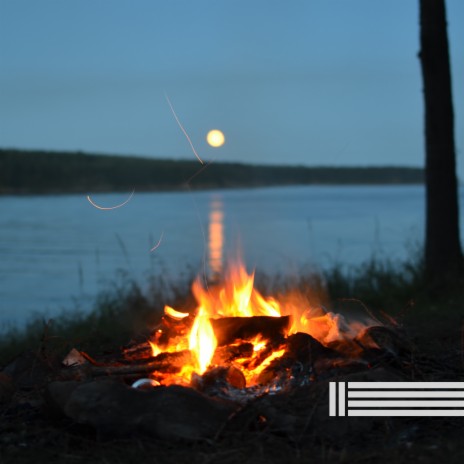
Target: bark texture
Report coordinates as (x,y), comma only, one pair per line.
(443,256)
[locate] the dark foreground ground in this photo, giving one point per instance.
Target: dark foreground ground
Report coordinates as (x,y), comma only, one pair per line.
(294,429)
(399,441)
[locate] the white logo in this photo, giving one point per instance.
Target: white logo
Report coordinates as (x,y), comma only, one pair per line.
(396,399)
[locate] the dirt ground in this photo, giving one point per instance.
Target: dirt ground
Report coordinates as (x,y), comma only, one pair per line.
(292,427)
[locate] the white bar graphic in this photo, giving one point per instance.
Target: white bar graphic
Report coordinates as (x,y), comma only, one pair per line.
(396,399)
(405,412)
(408,385)
(332,398)
(406,404)
(406,394)
(341,398)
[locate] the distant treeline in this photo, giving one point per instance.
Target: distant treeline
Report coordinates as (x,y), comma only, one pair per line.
(29,172)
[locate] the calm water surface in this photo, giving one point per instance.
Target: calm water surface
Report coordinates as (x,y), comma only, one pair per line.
(58,251)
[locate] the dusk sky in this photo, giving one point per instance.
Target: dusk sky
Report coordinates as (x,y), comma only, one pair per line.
(314,82)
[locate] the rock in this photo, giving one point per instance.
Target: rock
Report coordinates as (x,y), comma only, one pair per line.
(57,395)
(169,413)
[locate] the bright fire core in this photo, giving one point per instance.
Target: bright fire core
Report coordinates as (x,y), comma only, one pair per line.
(215,138)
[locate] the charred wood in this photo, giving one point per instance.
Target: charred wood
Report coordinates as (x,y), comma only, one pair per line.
(229,329)
(165,363)
(228,353)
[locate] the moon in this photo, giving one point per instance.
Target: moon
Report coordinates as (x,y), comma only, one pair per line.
(215,138)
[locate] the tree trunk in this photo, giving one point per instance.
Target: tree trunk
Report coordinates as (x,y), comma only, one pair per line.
(443,257)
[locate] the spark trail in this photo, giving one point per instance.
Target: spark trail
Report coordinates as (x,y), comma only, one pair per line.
(109,208)
(182,129)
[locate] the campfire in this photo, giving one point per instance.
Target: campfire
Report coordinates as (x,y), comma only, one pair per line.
(198,368)
(234,360)
(237,336)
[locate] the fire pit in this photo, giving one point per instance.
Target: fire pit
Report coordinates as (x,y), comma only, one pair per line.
(199,369)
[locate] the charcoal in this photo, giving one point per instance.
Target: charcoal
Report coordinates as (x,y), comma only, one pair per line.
(228,353)
(305,349)
(277,373)
(219,378)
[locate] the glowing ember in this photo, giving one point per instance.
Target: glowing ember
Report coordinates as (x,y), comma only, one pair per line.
(258,345)
(267,361)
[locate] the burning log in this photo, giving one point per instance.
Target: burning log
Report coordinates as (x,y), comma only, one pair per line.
(229,329)
(228,353)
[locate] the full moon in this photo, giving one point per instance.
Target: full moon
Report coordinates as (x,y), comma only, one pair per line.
(215,138)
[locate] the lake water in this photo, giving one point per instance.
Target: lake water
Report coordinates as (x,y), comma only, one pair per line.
(58,252)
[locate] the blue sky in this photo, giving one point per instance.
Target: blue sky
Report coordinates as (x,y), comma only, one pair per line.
(314,82)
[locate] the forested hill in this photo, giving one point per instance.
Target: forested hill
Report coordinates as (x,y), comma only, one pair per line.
(29,172)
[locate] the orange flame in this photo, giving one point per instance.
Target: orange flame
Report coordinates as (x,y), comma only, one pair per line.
(202,340)
(237,297)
